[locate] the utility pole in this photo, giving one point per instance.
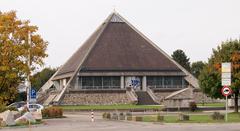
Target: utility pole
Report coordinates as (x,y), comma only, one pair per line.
(29,66)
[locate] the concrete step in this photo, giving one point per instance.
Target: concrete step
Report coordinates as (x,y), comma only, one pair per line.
(144,98)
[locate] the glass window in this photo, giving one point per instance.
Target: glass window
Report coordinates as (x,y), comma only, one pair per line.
(150,81)
(99,82)
(107,81)
(165,81)
(177,81)
(159,81)
(116,81)
(87,81)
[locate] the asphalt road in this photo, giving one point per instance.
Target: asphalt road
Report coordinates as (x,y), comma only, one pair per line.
(82,122)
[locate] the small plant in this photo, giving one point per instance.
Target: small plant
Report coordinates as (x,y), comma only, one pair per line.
(104,115)
(52,112)
(4,108)
(217,116)
(108,116)
(192,106)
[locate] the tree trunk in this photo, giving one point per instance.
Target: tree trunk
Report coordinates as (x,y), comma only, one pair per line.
(236,102)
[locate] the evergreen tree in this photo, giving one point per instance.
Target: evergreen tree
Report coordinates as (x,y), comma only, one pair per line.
(182,59)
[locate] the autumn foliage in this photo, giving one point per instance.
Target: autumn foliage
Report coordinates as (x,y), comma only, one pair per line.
(210,77)
(14,50)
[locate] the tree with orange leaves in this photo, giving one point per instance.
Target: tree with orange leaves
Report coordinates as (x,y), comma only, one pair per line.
(210,77)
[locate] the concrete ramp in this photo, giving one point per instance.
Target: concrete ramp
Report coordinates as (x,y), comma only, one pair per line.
(49,99)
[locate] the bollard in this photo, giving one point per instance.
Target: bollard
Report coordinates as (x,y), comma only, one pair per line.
(92,116)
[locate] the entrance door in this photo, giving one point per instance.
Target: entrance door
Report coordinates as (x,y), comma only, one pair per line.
(133,82)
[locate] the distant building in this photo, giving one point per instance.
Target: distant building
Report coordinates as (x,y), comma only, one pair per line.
(119,65)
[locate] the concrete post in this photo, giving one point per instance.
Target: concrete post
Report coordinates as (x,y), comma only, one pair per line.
(122,82)
(76,83)
(61,84)
(144,83)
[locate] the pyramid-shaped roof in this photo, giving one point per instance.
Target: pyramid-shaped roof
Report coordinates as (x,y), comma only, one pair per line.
(117,46)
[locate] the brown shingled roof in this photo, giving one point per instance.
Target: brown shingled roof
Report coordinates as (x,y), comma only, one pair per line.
(117,46)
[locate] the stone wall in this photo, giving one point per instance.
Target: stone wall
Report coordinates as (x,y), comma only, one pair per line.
(177,103)
(179,99)
(200,97)
(82,98)
(162,95)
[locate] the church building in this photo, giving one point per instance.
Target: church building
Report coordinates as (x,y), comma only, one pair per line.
(117,64)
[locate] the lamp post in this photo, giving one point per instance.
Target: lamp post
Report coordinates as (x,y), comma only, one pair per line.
(29,66)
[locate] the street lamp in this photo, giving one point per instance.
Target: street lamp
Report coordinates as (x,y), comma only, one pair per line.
(29,66)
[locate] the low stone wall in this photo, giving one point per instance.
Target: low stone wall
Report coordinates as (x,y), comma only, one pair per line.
(81,98)
(162,95)
(200,97)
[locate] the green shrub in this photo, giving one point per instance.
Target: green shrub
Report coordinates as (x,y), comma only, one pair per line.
(108,116)
(104,115)
(217,116)
(12,108)
(4,108)
(192,106)
(52,112)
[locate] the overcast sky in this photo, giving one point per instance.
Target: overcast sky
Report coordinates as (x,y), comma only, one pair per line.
(195,26)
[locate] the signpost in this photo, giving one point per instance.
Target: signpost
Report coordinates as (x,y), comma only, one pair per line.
(33,95)
(226,91)
(226,82)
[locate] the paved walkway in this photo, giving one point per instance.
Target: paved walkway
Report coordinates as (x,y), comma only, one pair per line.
(82,122)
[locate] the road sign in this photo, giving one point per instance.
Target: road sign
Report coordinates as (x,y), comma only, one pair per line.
(226,91)
(33,95)
(226,67)
(226,74)
(226,82)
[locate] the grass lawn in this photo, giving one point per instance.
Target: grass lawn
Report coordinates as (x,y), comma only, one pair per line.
(232,117)
(111,107)
(212,104)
